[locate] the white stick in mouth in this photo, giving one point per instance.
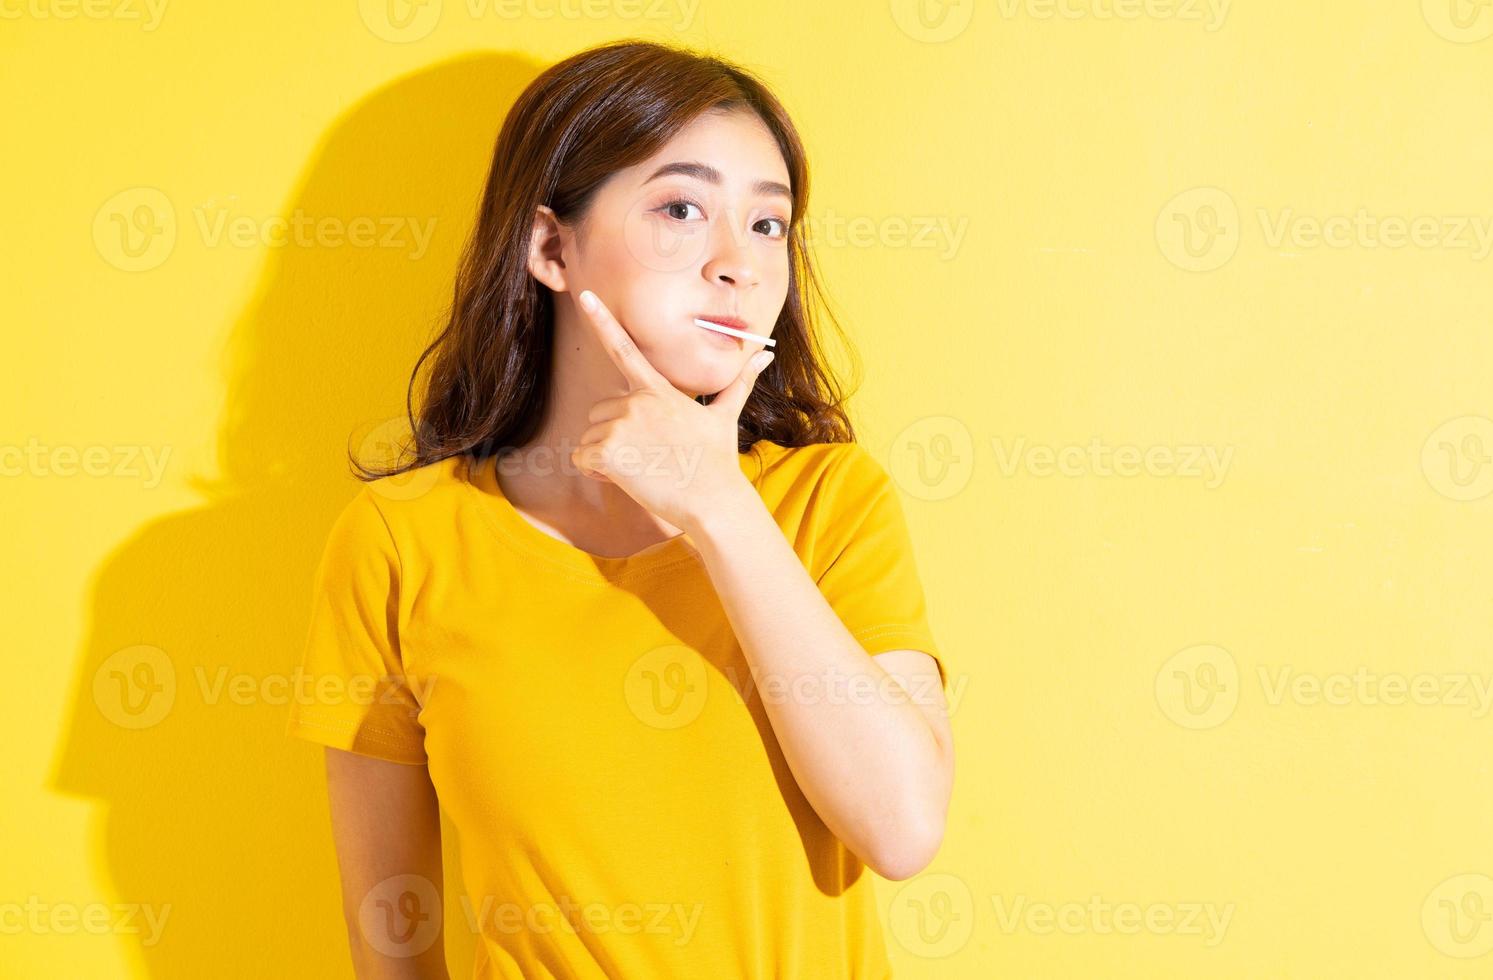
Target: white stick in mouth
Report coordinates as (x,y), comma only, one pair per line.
(733,332)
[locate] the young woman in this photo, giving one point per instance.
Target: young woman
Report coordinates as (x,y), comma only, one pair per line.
(639,615)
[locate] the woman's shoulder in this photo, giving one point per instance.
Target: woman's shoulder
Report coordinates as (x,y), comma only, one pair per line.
(820,463)
(419,490)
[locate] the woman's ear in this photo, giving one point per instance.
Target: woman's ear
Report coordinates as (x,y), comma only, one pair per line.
(546,243)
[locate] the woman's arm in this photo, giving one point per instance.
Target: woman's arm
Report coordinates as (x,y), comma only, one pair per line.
(386,823)
(876,765)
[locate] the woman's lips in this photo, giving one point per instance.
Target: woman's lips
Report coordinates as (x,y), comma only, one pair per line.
(724,340)
(725,321)
(742,334)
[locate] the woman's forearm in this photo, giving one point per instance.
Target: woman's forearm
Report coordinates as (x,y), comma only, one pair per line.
(863,753)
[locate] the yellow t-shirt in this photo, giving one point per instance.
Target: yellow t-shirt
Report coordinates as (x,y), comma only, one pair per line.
(591,726)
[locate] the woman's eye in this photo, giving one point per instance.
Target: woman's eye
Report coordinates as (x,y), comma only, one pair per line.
(679,210)
(673,207)
(779,221)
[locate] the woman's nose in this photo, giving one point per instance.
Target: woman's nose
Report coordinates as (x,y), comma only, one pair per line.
(731,261)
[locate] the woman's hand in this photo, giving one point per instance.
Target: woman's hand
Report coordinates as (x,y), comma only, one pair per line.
(671,454)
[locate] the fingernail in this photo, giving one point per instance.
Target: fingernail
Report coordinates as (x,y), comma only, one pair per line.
(588,299)
(761,359)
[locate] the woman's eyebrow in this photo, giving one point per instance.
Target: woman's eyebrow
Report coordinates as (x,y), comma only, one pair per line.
(707,173)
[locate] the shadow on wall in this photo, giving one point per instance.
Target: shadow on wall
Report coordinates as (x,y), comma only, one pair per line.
(209,813)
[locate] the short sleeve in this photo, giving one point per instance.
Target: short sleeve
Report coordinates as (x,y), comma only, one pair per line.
(351,691)
(871,577)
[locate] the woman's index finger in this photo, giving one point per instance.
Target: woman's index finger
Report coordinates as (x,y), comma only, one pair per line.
(619,344)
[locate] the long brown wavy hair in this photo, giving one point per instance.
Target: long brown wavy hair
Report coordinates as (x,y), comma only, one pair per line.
(599,111)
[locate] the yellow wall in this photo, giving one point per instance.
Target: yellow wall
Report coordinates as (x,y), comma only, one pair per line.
(1239,696)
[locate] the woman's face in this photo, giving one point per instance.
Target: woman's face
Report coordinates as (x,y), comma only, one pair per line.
(697,230)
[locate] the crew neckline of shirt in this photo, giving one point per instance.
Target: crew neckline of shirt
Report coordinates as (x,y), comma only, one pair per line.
(480,478)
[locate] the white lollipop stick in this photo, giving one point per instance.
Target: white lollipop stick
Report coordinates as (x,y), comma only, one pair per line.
(733,332)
